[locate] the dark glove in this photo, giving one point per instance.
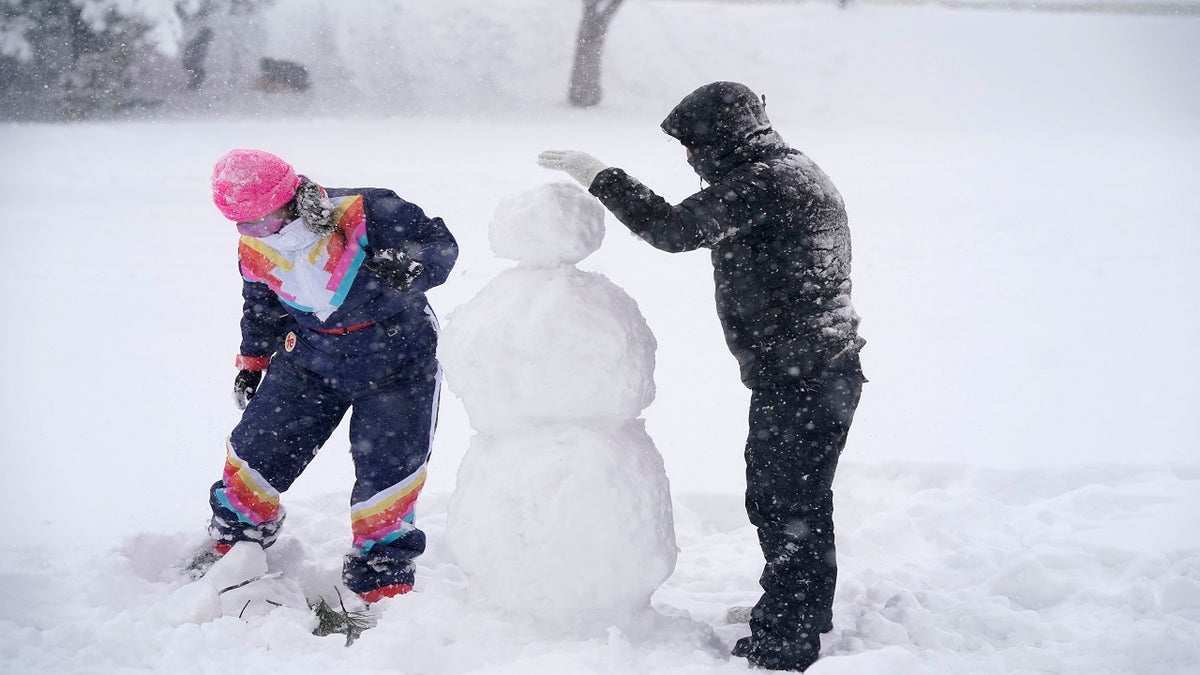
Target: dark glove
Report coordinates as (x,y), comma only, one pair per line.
(244,387)
(395,267)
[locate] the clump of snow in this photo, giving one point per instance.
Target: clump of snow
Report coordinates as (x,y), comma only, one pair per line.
(552,224)
(13,41)
(239,584)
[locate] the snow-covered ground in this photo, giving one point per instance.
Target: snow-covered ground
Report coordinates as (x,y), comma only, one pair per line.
(1020,491)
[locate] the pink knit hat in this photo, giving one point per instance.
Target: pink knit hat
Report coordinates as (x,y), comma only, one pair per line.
(249,184)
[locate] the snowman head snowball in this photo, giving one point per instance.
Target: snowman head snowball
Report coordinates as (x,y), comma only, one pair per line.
(551,224)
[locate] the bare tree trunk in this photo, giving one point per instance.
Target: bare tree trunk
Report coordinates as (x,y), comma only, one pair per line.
(584,91)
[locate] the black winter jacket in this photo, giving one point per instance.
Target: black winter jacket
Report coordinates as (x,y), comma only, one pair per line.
(777,230)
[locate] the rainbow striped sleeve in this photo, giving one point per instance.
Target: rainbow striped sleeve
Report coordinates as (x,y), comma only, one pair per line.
(344,261)
(260,263)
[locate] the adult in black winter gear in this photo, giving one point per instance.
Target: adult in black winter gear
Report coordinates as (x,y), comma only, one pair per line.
(777,230)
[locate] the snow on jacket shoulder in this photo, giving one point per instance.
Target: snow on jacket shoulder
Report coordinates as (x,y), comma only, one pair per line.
(321,283)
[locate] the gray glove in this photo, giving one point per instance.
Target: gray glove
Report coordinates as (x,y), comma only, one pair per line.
(578,165)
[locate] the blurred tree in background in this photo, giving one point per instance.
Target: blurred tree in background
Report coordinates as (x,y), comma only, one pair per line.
(584,90)
(94,59)
(76,59)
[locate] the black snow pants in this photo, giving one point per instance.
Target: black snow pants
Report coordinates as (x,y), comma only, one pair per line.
(797,432)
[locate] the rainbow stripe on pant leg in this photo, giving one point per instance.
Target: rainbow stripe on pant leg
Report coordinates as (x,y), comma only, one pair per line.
(246,492)
(389,515)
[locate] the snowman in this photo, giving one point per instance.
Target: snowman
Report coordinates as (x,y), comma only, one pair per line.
(562,509)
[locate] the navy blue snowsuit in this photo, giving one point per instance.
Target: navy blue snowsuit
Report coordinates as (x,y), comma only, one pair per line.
(777,230)
(337,338)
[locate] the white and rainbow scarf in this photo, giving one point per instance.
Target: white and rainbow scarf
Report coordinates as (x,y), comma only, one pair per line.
(310,272)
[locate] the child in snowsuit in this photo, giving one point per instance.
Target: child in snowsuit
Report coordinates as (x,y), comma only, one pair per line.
(776,227)
(335,314)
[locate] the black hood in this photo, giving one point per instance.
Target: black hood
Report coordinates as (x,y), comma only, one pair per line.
(724,124)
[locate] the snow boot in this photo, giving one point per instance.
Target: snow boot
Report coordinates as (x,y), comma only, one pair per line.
(228,530)
(778,653)
(203,558)
(374,577)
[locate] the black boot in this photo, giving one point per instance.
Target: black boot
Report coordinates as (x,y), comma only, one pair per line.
(778,654)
